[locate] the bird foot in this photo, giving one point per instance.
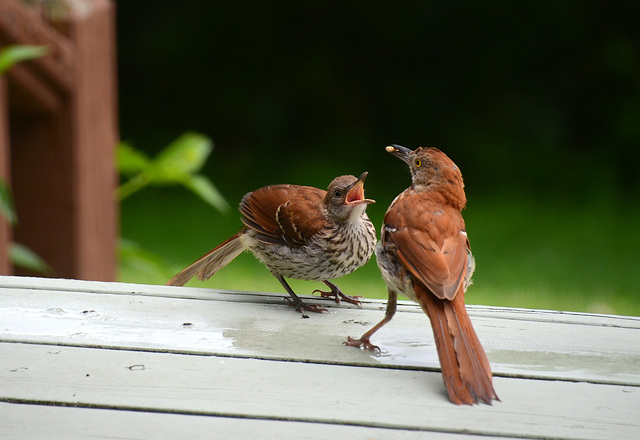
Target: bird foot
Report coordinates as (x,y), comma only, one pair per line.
(362,342)
(337,294)
(301,306)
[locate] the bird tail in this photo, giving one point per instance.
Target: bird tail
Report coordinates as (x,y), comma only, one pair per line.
(206,266)
(465,368)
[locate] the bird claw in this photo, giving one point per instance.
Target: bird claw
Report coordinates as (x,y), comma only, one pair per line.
(337,294)
(301,306)
(362,342)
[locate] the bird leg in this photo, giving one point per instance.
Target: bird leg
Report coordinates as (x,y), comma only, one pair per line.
(295,300)
(365,340)
(337,294)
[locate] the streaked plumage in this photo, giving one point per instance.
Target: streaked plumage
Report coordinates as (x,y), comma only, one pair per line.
(299,232)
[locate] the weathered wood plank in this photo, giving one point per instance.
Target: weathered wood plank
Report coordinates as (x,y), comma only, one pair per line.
(126,349)
(69,285)
(601,349)
(308,392)
(22,421)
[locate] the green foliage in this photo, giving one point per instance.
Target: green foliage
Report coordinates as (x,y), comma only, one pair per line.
(10,55)
(24,257)
(177,164)
(6,203)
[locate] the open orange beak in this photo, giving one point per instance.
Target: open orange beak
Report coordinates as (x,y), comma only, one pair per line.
(355,196)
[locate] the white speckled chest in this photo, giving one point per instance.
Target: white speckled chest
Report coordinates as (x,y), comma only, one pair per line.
(332,253)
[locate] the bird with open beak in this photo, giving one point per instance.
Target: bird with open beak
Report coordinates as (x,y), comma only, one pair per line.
(299,232)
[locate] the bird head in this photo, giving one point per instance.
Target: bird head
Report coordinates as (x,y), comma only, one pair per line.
(345,197)
(431,169)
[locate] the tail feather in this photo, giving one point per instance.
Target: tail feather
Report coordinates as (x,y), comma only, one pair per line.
(465,367)
(214,260)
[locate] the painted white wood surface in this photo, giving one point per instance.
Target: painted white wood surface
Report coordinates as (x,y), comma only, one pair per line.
(58,423)
(96,356)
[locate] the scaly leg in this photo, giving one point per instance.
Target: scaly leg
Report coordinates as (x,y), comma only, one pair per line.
(364,340)
(337,294)
(295,300)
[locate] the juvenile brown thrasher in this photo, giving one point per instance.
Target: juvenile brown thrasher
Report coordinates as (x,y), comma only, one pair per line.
(299,232)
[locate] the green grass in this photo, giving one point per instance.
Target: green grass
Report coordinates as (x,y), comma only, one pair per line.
(544,253)
(555,254)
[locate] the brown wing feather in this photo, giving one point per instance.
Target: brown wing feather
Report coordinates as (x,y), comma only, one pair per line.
(284,213)
(432,249)
(442,270)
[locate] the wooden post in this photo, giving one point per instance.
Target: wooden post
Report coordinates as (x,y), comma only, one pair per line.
(94,135)
(63,132)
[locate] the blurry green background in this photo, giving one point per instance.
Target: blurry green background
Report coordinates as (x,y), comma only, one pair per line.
(538,103)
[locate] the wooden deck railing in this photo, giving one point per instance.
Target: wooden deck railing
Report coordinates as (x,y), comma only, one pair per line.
(58,132)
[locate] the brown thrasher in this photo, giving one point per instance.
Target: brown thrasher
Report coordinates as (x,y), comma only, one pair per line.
(299,232)
(424,253)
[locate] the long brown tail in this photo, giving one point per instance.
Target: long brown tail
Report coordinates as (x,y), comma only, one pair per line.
(465,368)
(214,260)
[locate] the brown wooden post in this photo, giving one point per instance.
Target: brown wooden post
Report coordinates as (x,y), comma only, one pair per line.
(94,135)
(63,132)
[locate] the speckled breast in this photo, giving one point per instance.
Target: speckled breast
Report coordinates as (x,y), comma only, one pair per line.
(333,253)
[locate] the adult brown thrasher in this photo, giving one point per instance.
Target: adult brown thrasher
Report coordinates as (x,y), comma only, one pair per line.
(299,232)
(424,253)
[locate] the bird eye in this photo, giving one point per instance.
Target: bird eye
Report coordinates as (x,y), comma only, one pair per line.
(337,194)
(418,163)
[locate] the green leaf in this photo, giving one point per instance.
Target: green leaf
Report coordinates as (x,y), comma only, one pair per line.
(129,160)
(24,257)
(177,164)
(6,203)
(13,54)
(183,157)
(205,189)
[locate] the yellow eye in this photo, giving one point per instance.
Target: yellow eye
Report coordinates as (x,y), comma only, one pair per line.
(418,163)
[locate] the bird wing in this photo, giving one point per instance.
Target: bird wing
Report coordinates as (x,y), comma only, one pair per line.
(284,214)
(432,245)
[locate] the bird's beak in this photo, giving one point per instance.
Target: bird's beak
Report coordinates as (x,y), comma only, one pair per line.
(400,152)
(355,195)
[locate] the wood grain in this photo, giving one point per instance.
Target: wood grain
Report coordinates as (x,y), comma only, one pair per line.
(91,353)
